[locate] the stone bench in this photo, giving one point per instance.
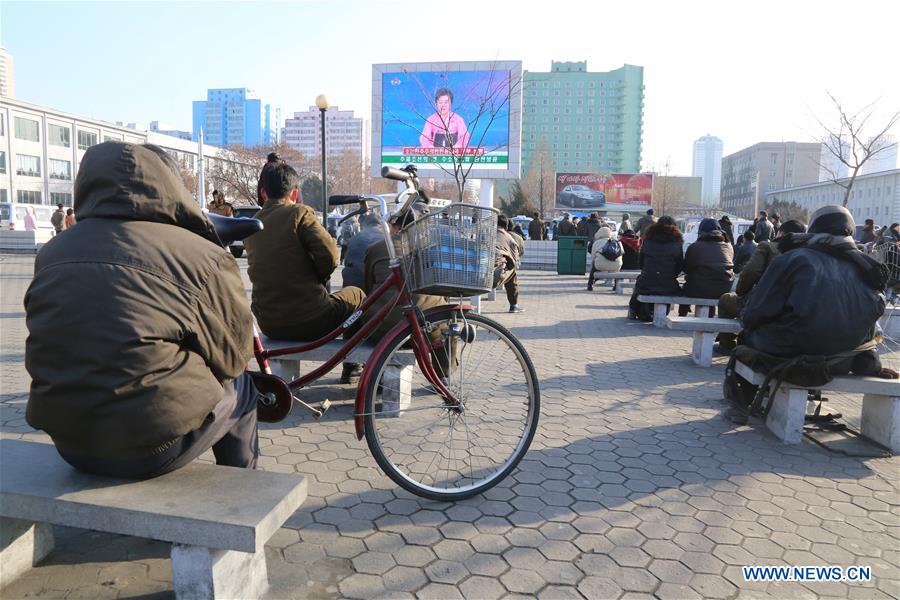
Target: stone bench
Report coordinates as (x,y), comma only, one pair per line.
(702,306)
(396,381)
(880,408)
(705,330)
(621,280)
(216,518)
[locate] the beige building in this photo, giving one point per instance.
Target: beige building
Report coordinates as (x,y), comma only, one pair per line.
(344,133)
(777,165)
(7,74)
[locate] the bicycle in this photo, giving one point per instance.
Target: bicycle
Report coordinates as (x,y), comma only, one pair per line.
(473,394)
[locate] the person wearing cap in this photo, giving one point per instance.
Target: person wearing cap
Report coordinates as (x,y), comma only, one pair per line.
(645,222)
(708,264)
(763,229)
(289,262)
(731,303)
(219,206)
(506,258)
(821,296)
(537,230)
(867,235)
(625,225)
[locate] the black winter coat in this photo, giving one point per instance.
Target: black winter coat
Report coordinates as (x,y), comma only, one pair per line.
(809,302)
(662,260)
(631,248)
(591,227)
(708,267)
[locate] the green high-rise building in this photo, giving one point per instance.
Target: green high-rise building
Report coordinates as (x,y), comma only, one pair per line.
(585,122)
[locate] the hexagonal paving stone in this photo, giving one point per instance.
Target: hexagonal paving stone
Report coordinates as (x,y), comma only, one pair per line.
(524,558)
(375,563)
(487,588)
(521,581)
(414,556)
(446,571)
(361,586)
(406,579)
(599,587)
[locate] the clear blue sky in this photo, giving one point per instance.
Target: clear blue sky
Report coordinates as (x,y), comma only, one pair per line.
(747,74)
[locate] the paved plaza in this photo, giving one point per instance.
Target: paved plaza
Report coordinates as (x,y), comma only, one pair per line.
(635,486)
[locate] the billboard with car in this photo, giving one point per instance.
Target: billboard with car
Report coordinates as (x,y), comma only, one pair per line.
(593,191)
(447,116)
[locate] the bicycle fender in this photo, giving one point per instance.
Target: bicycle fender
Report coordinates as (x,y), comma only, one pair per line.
(360,404)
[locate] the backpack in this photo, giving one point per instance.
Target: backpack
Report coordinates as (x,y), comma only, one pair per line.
(611,250)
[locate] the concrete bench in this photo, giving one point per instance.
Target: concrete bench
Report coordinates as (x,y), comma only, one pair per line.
(216,518)
(705,330)
(620,280)
(396,381)
(880,408)
(702,306)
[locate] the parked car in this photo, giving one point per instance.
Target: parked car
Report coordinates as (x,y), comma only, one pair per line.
(247,212)
(581,196)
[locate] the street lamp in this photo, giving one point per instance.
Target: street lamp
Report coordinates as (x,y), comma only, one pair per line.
(322,103)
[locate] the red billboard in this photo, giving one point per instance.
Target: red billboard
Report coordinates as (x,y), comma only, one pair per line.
(591,191)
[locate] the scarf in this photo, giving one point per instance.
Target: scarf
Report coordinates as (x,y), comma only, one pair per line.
(841,247)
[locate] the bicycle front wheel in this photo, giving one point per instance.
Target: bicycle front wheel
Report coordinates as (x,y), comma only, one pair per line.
(446,452)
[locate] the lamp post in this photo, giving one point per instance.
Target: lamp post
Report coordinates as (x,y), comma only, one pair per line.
(322,103)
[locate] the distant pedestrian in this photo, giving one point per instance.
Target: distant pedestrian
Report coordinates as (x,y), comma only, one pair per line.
(868,232)
(30,221)
(58,219)
(537,230)
(775,219)
(565,227)
(645,222)
(349,229)
(763,229)
(579,226)
(727,229)
(219,206)
(591,227)
(70,218)
(505,271)
(744,251)
(626,223)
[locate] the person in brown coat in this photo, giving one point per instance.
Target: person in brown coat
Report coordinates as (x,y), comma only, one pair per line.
(139,329)
(289,262)
(506,258)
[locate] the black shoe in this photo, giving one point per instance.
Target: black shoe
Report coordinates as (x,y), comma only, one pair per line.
(590,288)
(351,373)
(515,308)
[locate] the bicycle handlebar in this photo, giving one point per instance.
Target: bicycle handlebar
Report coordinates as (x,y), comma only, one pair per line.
(396,174)
(341,200)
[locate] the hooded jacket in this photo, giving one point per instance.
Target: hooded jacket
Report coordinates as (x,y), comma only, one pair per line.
(591,226)
(662,261)
(631,248)
(708,267)
(810,302)
(600,262)
(137,317)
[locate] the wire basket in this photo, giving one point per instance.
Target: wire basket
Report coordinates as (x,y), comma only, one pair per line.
(451,253)
(888,253)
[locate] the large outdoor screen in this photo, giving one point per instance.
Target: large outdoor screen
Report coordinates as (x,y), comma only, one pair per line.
(461,115)
(594,191)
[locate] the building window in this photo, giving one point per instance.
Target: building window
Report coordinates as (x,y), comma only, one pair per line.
(2,129)
(86,139)
(111,138)
(3,162)
(27,165)
(28,197)
(28,130)
(60,198)
(3,196)
(60,169)
(58,135)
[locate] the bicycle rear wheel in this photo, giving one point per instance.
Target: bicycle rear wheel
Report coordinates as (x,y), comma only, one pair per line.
(440,451)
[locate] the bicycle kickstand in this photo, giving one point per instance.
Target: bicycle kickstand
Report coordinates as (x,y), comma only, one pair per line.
(316,412)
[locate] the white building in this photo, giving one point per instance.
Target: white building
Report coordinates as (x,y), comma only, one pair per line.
(41,148)
(7,74)
(885,160)
(343,133)
(875,196)
(708,165)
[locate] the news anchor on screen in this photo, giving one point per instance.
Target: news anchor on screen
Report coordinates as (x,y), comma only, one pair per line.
(445,128)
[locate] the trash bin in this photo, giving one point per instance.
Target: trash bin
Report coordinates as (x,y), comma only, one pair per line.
(571,255)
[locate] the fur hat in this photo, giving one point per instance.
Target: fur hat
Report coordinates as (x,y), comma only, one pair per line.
(833,219)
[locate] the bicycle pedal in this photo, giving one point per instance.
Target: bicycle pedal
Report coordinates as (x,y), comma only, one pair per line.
(325,406)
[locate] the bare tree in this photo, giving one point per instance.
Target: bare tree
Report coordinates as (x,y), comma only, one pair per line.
(539,183)
(852,141)
(484,110)
(236,170)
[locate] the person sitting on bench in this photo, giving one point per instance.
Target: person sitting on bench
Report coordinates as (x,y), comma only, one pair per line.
(290,261)
(139,328)
(662,260)
(820,297)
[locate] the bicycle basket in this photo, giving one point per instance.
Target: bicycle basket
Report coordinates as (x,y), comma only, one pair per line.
(451,253)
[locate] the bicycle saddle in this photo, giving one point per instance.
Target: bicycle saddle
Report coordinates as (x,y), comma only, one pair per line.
(231,230)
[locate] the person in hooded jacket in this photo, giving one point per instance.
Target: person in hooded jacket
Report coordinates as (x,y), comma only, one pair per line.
(708,264)
(821,296)
(600,263)
(645,222)
(625,225)
(139,326)
(662,261)
(727,229)
(631,250)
